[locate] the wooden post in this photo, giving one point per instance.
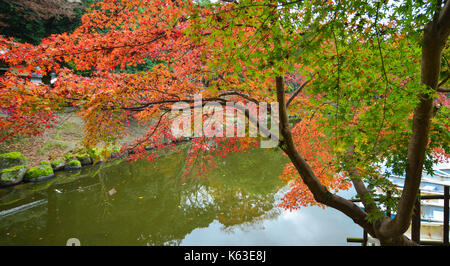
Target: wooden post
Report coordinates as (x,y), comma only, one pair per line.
(415,224)
(446,214)
(388,210)
(364,238)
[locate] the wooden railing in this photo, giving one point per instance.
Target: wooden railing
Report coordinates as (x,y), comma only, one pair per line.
(416,221)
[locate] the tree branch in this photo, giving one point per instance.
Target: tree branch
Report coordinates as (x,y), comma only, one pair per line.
(319,191)
(366,199)
(443,81)
(296,92)
(443,23)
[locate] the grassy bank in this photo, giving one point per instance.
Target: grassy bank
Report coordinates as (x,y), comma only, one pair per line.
(54,142)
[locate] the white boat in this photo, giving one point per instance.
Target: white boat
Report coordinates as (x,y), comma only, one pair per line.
(431,210)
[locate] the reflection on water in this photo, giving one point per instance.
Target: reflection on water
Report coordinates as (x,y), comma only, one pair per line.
(144,203)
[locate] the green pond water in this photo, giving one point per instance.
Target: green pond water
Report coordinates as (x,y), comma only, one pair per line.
(149,203)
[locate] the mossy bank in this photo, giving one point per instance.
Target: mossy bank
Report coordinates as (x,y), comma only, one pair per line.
(14,168)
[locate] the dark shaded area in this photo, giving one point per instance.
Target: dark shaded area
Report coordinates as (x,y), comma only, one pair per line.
(23,27)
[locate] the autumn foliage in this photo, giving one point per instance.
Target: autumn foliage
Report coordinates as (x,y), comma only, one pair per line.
(133,59)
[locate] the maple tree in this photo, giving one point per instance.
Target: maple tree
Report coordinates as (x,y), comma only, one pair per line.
(366,79)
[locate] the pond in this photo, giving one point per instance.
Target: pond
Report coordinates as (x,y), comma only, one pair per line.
(149,203)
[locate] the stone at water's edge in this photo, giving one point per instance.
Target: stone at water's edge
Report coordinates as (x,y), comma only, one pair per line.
(84,159)
(40,172)
(13,175)
(12,168)
(73,165)
(96,155)
(10,159)
(58,165)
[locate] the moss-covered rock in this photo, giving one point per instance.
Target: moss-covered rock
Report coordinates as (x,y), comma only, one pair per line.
(84,159)
(96,155)
(73,165)
(13,175)
(58,165)
(46,163)
(10,159)
(40,172)
(69,156)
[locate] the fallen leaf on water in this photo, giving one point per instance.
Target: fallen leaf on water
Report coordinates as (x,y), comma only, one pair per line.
(140,197)
(112,192)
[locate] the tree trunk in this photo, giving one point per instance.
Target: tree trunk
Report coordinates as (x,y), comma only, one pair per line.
(388,231)
(434,38)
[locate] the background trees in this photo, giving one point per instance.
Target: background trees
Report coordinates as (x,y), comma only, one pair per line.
(31,20)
